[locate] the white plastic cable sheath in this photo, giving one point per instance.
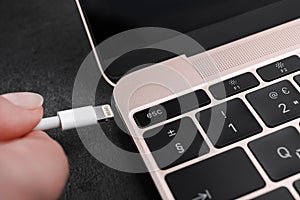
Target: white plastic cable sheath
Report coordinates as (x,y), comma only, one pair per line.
(48,123)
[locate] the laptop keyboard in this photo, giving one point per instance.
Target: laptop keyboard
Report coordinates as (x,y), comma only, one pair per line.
(266,104)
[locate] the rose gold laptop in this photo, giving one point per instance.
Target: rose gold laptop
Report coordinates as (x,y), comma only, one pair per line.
(215,116)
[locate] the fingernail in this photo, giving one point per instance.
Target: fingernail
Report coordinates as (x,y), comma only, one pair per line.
(26,100)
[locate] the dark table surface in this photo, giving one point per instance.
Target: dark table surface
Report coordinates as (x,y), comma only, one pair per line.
(42,46)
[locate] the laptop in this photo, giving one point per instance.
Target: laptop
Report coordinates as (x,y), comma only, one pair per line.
(215,116)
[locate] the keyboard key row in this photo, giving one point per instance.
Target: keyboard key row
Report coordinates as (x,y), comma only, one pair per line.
(220,177)
(224,124)
(221,90)
(180,141)
(247,80)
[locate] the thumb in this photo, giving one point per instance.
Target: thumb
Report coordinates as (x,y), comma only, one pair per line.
(19,114)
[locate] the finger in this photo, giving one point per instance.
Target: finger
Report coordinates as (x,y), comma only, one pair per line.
(19,114)
(34,165)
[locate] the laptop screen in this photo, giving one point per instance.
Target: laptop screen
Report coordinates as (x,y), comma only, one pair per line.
(210,22)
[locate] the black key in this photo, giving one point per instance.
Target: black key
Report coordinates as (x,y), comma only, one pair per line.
(175,143)
(280,68)
(297,186)
(297,79)
(225,176)
(276,104)
(228,122)
(278,153)
(233,86)
(280,193)
(171,108)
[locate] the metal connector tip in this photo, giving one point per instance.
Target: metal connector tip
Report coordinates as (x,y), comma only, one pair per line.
(103,112)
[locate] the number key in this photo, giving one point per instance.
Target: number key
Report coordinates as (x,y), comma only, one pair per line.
(276,104)
(228,122)
(175,143)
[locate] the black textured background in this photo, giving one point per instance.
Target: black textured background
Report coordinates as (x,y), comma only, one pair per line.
(42,44)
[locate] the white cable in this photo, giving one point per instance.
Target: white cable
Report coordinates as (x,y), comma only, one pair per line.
(93,46)
(48,123)
(76,118)
(101,69)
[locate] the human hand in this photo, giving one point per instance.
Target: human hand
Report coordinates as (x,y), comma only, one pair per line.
(32,165)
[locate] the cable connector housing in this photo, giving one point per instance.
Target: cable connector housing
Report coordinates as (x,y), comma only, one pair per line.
(76,118)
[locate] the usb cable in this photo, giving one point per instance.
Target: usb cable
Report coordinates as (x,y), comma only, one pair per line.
(76,118)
